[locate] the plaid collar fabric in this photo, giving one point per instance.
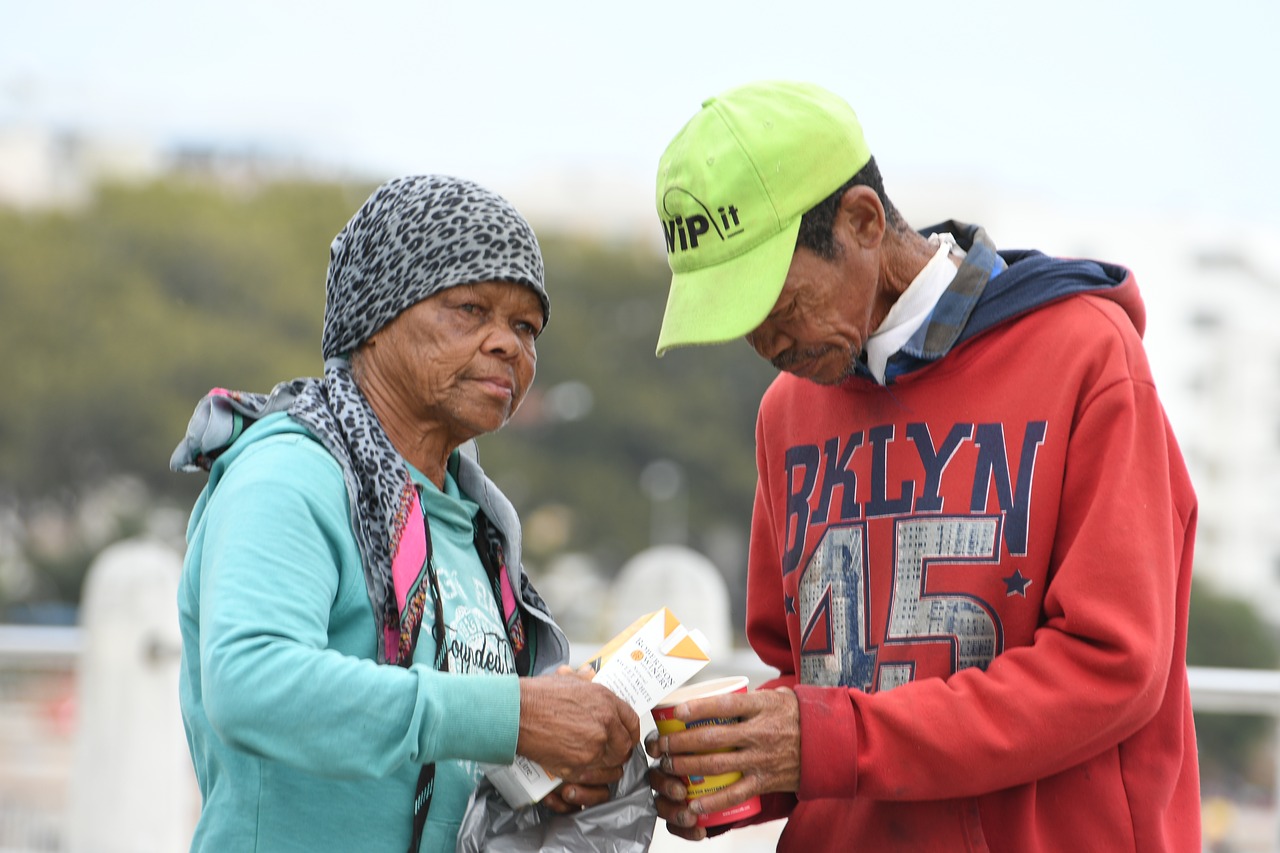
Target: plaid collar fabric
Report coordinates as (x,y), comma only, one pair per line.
(950,316)
(992,287)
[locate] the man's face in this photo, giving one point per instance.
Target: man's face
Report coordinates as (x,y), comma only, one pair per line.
(823,316)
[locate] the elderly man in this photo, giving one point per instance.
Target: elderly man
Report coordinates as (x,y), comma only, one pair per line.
(972,540)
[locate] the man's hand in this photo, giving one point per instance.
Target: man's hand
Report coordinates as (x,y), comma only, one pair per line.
(578,731)
(765,748)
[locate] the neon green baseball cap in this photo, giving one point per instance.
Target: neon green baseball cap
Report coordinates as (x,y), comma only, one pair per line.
(732,187)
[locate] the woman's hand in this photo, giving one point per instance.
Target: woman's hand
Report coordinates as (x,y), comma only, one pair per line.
(589,789)
(578,731)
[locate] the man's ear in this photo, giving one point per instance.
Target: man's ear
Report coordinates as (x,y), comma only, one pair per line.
(862,216)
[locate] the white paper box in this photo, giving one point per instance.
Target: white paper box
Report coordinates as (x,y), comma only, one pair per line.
(653,656)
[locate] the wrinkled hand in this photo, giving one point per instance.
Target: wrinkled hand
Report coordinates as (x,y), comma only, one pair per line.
(583,793)
(577,730)
(766,750)
(592,787)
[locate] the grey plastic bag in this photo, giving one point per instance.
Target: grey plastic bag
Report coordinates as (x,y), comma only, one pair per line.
(624,824)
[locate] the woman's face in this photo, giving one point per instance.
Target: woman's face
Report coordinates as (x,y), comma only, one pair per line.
(460,360)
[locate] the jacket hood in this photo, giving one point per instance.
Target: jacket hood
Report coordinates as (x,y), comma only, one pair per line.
(274,424)
(1032,279)
(993,287)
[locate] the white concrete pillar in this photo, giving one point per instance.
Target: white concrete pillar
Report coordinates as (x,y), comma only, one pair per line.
(133,789)
(682,580)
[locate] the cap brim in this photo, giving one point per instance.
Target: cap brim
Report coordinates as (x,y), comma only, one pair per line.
(720,303)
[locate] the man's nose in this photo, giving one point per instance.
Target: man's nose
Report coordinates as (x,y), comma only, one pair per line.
(769,341)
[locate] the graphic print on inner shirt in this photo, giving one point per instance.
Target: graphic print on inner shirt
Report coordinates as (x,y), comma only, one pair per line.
(869,624)
(475,640)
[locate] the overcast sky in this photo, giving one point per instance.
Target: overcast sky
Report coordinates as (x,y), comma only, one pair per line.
(1168,105)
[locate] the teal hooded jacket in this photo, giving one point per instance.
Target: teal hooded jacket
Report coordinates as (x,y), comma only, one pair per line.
(300,739)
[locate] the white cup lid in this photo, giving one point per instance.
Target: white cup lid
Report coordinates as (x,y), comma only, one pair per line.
(702,689)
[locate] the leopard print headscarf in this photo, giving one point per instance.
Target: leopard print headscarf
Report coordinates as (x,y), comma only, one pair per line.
(415,236)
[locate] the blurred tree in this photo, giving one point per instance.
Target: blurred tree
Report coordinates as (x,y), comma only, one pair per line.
(1228,632)
(118,317)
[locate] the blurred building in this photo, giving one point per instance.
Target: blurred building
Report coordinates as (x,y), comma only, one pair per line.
(1229,388)
(42,167)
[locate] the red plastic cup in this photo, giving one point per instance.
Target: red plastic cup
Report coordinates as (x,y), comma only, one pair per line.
(700,786)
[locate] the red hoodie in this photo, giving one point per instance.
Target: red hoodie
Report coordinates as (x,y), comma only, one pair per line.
(1004,538)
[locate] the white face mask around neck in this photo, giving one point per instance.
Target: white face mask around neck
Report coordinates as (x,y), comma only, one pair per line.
(913,306)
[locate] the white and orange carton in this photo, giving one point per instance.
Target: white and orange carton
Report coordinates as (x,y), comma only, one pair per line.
(653,656)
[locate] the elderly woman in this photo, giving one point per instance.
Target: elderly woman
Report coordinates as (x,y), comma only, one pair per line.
(345,524)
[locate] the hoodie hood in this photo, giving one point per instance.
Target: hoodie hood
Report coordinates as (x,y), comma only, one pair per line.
(993,287)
